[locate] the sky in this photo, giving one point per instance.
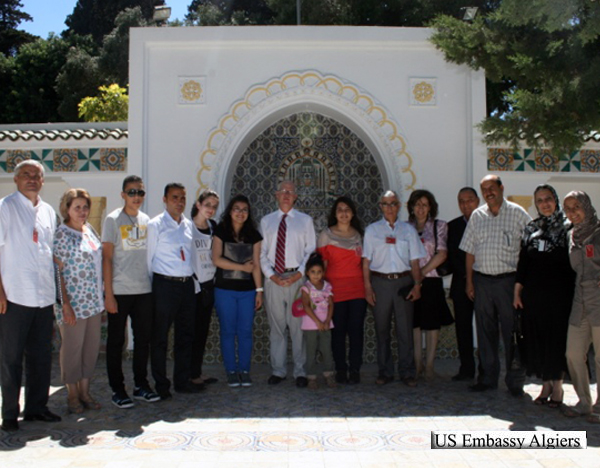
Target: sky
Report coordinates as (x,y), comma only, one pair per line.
(50,15)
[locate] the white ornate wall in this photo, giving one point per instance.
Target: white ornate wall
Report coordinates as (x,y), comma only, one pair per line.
(200,95)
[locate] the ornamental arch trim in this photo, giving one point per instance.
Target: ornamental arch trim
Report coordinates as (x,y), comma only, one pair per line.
(266,103)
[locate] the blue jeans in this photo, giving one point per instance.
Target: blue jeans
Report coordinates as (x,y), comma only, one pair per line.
(236,318)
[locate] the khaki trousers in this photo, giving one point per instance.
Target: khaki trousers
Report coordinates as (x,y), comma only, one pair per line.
(79,349)
(578,344)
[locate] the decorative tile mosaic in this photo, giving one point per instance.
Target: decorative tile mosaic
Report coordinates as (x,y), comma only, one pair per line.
(192,90)
(500,159)
(68,159)
(423,92)
(326,160)
(542,160)
(65,160)
(590,161)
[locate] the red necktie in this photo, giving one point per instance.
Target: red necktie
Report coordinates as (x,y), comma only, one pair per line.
(280,252)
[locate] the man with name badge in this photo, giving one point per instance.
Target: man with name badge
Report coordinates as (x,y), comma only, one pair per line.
(492,241)
(170,264)
(27,296)
(288,240)
(128,293)
(392,276)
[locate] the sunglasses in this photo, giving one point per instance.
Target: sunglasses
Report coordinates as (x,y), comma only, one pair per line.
(134,192)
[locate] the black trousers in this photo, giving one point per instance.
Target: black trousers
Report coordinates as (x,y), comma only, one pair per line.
(205,301)
(139,308)
(174,303)
(25,331)
(348,320)
(495,317)
(463,318)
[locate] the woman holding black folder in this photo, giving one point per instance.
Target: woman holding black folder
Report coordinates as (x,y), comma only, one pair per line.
(238,286)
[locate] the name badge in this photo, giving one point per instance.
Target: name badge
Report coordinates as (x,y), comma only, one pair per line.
(390,240)
(589,251)
(134,233)
(541,245)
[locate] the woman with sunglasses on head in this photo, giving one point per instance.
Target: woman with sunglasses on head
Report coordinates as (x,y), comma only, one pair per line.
(202,212)
(238,287)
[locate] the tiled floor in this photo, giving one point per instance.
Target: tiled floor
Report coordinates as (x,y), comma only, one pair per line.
(282,426)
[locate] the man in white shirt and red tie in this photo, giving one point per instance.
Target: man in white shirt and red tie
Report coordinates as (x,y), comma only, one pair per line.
(27,296)
(171,266)
(288,240)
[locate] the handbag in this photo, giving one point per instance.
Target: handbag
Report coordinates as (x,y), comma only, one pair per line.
(297,306)
(444,269)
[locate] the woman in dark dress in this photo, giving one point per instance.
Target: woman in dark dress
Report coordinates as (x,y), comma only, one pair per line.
(544,290)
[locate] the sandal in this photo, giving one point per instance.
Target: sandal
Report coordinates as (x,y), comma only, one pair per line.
(91,404)
(556,403)
(541,400)
(74,407)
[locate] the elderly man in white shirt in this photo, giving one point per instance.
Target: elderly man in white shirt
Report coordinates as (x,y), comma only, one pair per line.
(170,262)
(492,241)
(27,296)
(288,240)
(391,253)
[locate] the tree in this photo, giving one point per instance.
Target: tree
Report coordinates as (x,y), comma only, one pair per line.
(114,55)
(32,96)
(110,106)
(544,56)
(97,17)
(371,12)
(79,77)
(222,12)
(10,18)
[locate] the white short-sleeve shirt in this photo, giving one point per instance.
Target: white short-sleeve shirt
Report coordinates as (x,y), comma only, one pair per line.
(26,238)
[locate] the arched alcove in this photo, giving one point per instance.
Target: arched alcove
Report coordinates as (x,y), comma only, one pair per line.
(305,92)
(322,156)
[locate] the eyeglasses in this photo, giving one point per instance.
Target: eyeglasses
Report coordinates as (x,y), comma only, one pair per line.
(239,210)
(134,192)
(287,192)
(393,204)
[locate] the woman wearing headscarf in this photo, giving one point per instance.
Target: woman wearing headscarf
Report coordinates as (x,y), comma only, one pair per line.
(544,290)
(584,322)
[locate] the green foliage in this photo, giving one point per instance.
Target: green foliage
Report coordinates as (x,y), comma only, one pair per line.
(32,96)
(97,17)
(233,12)
(114,56)
(10,17)
(543,59)
(110,106)
(78,78)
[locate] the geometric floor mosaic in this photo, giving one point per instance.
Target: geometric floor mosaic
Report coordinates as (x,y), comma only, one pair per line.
(359,426)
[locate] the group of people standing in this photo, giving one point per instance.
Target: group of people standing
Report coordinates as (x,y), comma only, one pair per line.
(536,284)
(172,270)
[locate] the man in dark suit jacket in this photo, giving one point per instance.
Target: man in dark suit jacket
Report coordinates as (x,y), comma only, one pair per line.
(468,201)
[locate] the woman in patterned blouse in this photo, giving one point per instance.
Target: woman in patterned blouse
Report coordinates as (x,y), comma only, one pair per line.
(78,253)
